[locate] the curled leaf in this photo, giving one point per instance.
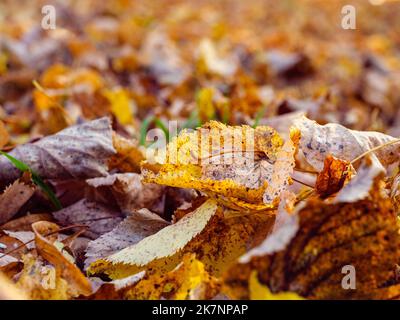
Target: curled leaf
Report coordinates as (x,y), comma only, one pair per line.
(64,267)
(163,244)
(333,139)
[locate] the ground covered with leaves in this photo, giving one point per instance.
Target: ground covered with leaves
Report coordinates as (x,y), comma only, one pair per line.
(199,150)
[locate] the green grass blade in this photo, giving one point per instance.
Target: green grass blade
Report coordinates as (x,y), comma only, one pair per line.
(23,167)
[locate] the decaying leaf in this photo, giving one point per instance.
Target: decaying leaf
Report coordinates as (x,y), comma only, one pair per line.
(66,269)
(395,192)
(80,151)
(4,136)
(363,182)
(98,217)
(163,244)
(363,234)
(333,139)
(333,176)
(241,166)
(14,197)
(188,280)
(137,226)
(40,281)
(129,193)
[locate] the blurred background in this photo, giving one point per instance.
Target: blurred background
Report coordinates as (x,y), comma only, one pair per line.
(254,62)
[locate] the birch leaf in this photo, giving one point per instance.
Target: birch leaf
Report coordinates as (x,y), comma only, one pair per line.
(240,166)
(189,281)
(79,151)
(334,139)
(163,244)
(137,226)
(99,218)
(363,234)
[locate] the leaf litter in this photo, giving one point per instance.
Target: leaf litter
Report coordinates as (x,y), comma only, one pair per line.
(198,151)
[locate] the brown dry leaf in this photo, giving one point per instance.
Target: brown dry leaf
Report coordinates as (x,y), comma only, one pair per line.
(14,197)
(98,217)
(363,234)
(80,151)
(13,246)
(129,192)
(395,193)
(240,166)
(115,289)
(66,269)
(333,176)
(128,156)
(221,241)
(24,223)
(333,139)
(137,226)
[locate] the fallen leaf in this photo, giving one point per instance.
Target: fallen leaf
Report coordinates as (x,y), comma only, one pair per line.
(333,139)
(333,176)
(97,217)
(129,192)
(188,281)
(9,291)
(362,234)
(163,244)
(64,267)
(137,226)
(14,197)
(80,151)
(212,159)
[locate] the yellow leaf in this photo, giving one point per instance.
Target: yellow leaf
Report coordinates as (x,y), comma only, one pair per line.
(240,166)
(261,292)
(188,281)
(163,244)
(9,291)
(120,105)
(205,104)
(3,63)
